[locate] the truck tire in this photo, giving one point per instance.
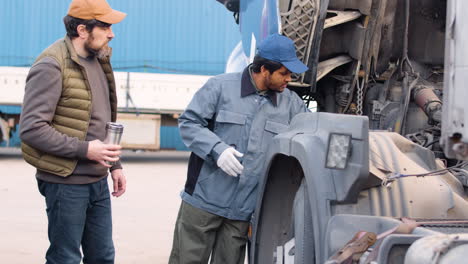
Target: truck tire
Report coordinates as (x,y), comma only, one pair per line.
(303,229)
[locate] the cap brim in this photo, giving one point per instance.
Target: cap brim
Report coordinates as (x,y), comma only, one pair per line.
(295,66)
(112,17)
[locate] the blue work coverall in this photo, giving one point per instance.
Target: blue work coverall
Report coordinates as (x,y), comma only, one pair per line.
(228,111)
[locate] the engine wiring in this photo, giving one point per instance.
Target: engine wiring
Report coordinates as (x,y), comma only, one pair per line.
(386,182)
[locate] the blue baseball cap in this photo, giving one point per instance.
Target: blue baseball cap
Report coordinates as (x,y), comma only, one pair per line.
(281,49)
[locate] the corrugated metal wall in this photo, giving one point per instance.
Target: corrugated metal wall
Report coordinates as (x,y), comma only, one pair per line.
(180,36)
(170,138)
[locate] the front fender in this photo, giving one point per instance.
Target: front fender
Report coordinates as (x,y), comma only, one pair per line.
(299,154)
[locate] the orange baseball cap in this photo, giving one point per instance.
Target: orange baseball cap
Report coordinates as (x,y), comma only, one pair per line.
(95,9)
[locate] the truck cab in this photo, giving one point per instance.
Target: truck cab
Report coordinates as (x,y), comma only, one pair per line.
(377,173)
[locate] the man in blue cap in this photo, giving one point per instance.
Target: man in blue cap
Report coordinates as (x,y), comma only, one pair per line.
(229,125)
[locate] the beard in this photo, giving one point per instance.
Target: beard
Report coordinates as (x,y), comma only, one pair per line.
(274,87)
(101,52)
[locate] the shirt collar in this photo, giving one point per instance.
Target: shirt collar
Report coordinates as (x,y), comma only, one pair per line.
(247,87)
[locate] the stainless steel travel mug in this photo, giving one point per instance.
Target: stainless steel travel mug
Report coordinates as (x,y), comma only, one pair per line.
(113,135)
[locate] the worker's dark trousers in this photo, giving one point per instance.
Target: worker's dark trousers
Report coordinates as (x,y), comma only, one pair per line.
(198,234)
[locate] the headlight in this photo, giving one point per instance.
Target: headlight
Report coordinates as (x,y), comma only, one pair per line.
(339,146)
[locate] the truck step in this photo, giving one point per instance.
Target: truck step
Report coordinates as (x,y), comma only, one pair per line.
(324,67)
(340,17)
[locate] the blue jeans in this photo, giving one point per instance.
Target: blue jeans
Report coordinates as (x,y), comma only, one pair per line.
(79,215)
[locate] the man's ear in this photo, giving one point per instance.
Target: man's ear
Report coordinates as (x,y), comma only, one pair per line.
(82,31)
(264,71)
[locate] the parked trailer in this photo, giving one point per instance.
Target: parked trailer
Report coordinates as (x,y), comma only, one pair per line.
(149,105)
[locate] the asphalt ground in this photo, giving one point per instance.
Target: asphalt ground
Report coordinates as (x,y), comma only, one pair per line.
(143,217)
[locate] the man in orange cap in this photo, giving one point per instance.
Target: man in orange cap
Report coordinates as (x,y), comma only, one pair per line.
(70,96)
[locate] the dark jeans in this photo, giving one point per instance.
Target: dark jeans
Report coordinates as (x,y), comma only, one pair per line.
(199,234)
(79,215)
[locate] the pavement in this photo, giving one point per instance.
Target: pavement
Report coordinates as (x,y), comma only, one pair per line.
(143,217)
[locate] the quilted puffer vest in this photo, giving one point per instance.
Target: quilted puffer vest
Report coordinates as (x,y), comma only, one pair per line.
(73,112)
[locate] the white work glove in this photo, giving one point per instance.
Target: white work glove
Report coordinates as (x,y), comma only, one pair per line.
(228,162)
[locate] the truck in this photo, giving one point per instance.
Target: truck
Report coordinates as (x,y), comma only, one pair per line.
(379,173)
(148,107)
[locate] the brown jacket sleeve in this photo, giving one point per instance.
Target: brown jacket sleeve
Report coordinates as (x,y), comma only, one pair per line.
(42,93)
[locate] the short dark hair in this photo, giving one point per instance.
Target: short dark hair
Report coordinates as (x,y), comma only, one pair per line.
(71,23)
(270,65)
